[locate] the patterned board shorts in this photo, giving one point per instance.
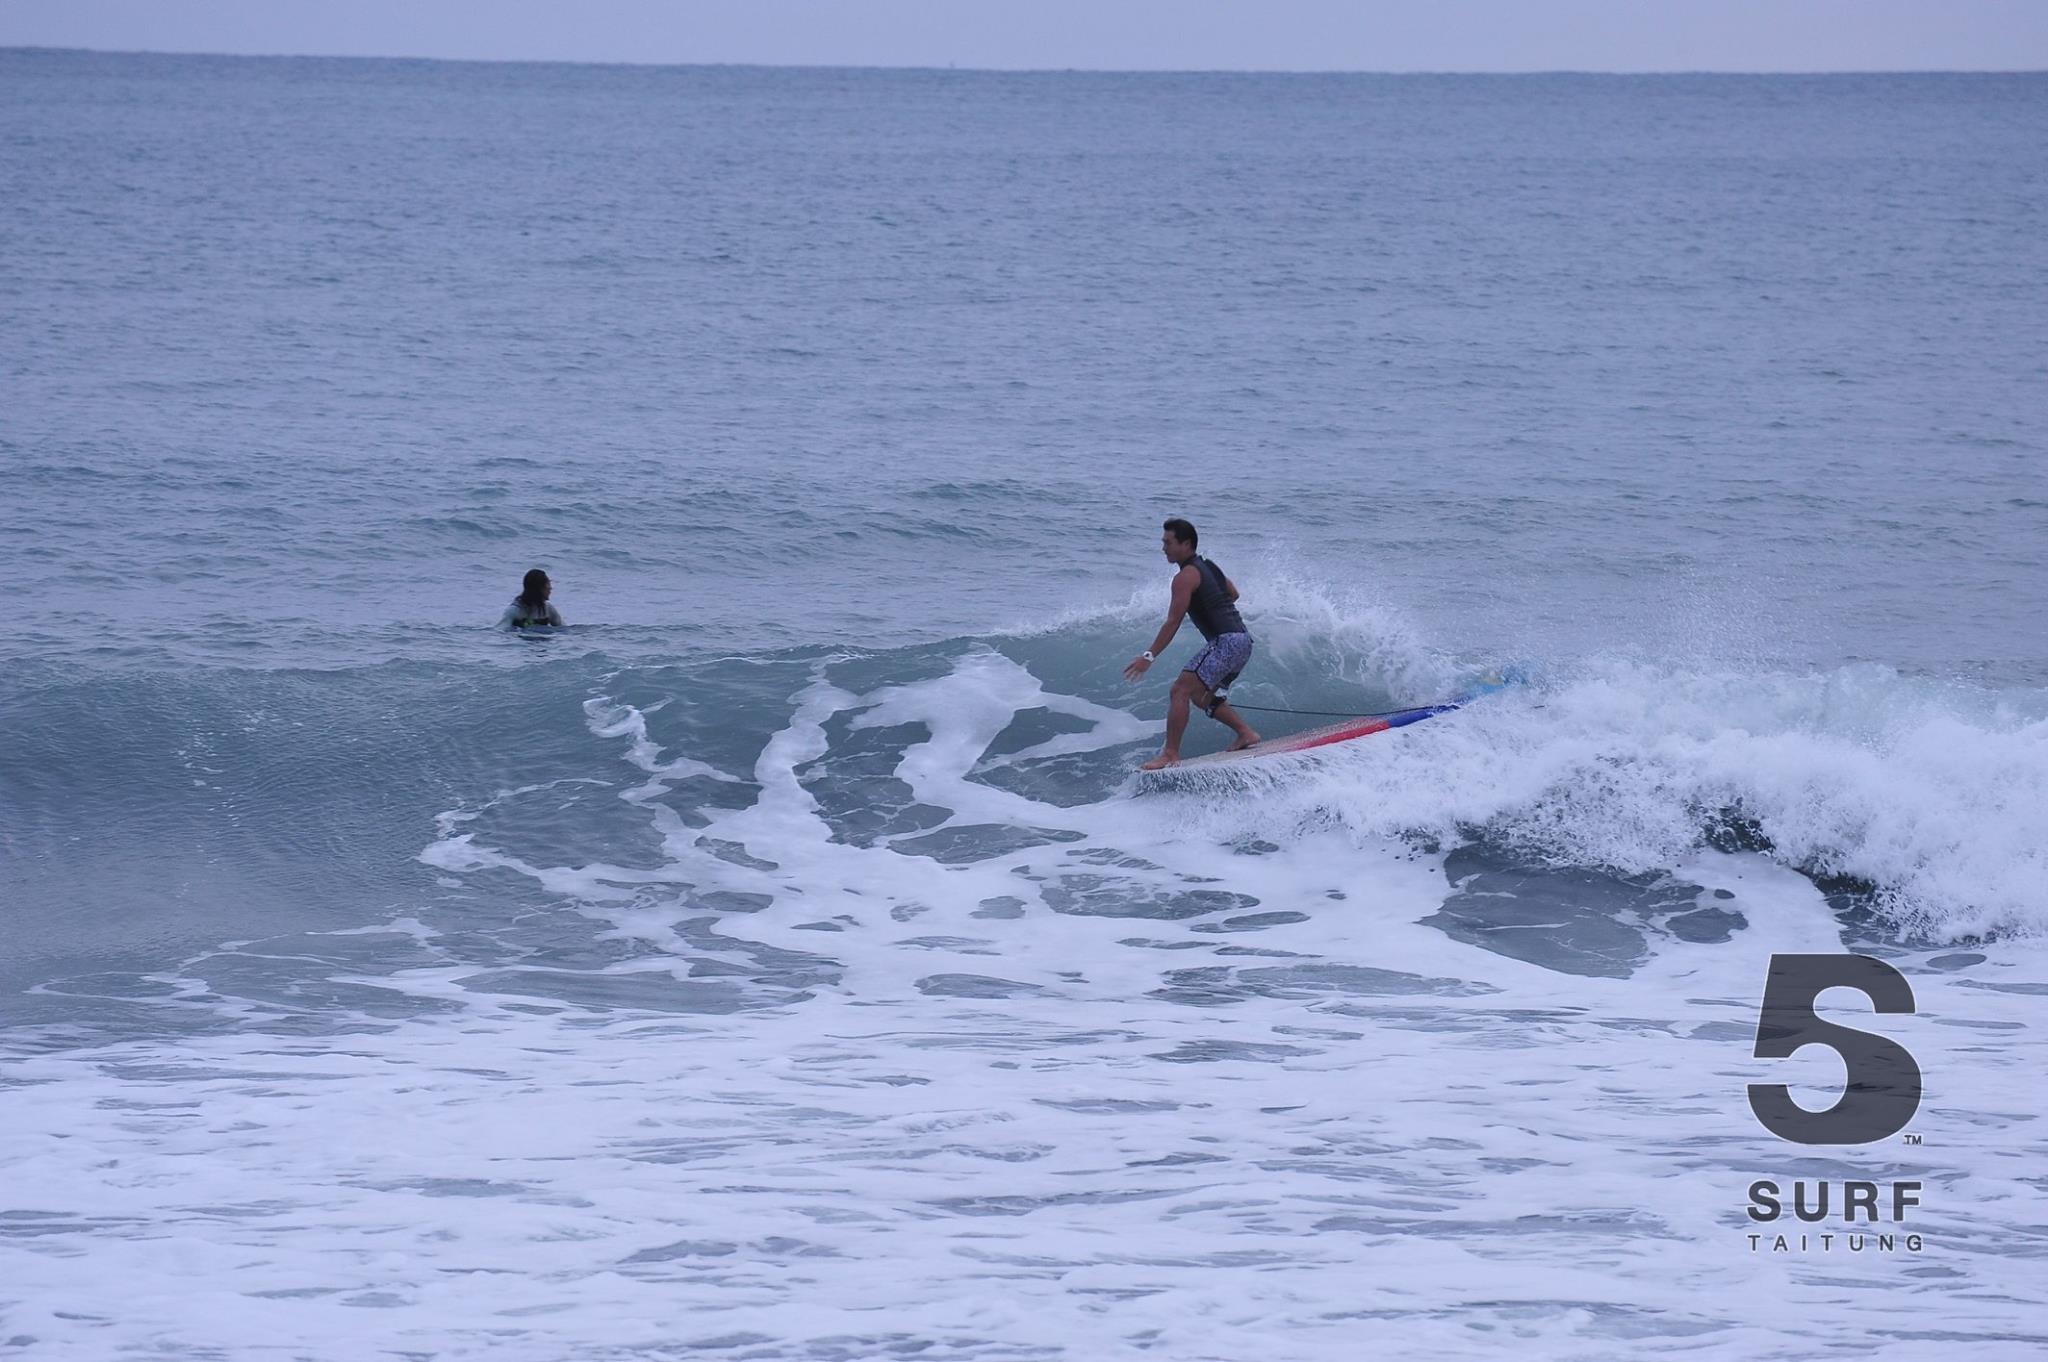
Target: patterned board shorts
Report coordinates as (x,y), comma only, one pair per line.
(1220,660)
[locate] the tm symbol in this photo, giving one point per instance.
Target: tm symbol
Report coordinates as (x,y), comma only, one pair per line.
(1912,1139)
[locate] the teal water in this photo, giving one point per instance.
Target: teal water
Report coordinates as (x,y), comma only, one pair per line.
(643,987)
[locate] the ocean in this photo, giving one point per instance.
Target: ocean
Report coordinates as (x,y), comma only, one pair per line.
(781,961)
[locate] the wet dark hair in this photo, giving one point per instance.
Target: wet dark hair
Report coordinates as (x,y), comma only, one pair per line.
(533,590)
(1181,530)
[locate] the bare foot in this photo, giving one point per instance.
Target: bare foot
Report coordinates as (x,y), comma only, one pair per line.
(1160,762)
(1250,739)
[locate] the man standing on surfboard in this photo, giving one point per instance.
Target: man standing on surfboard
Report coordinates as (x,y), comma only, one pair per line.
(1202,593)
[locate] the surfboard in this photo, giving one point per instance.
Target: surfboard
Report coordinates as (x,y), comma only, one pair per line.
(1345,731)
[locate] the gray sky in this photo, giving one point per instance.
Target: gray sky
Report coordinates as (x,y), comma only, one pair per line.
(1320,35)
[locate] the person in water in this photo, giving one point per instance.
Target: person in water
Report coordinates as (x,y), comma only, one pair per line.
(530,606)
(1202,593)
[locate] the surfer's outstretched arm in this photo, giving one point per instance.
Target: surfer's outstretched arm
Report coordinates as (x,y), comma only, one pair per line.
(1184,583)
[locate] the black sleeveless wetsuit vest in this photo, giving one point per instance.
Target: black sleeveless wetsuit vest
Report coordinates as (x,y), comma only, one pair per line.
(1211,608)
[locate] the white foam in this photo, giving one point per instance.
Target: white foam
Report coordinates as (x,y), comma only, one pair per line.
(1935,795)
(1511,1160)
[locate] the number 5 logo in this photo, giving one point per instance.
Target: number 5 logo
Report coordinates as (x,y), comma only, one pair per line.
(1883,1090)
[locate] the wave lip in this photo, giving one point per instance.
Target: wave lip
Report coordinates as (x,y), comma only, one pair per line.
(1934,797)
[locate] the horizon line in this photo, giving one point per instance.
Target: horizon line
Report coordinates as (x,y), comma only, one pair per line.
(1025,70)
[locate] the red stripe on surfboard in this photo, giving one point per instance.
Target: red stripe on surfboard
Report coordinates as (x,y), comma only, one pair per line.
(1325,738)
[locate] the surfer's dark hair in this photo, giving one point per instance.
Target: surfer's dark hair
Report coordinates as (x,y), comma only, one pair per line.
(1183,531)
(533,589)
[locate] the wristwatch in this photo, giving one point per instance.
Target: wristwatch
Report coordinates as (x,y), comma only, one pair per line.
(1147,655)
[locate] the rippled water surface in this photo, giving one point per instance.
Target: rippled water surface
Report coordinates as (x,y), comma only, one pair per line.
(781,961)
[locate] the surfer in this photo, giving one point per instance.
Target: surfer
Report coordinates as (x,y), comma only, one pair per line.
(1202,593)
(530,606)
